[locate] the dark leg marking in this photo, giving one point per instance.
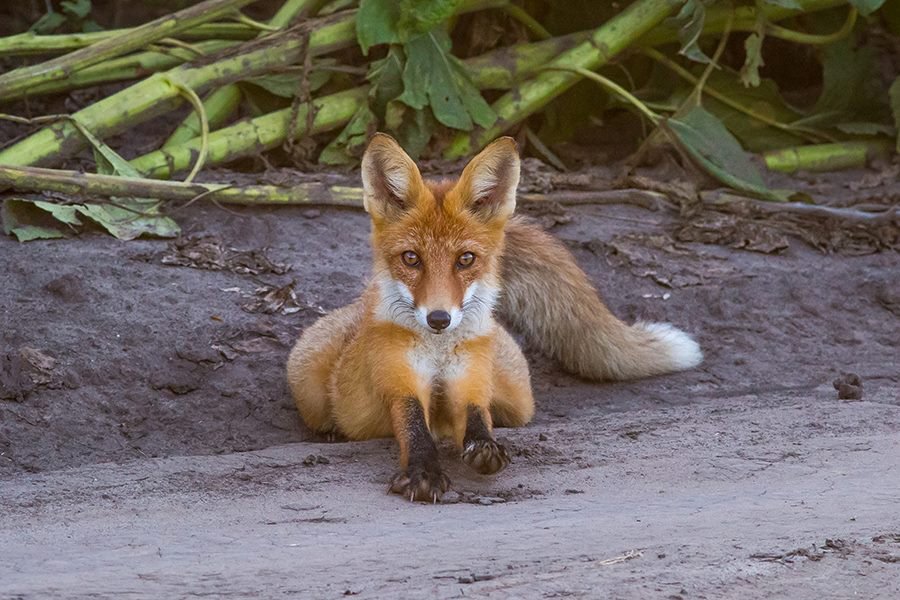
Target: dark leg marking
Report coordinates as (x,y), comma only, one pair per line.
(480,450)
(423,478)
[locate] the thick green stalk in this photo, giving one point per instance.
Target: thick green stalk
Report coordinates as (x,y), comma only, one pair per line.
(223,102)
(531,96)
(826,157)
(133,66)
(16,83)
(255,135)
(157,95)
(219,107)
(246,138)
(32,44)
(75,183)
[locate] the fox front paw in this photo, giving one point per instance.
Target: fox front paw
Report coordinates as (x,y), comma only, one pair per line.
(420,484)
(485,456)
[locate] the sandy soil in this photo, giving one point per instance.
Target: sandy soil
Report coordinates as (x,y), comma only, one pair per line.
(148,446)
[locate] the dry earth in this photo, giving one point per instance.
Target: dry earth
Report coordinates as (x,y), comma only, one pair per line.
(148,446)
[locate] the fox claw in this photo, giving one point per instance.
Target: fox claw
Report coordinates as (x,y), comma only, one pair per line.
(486,456)
(419,485)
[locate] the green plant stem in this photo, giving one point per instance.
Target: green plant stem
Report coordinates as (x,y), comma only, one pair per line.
(254,135)
(814,39)
(531,96)
(223,102)
(152,96)
(615,88)
(744,19)
(518,13)
(218,106)
(247,138)
(32,44)
(75,183)
(826,157)
(16,83)
(688,76)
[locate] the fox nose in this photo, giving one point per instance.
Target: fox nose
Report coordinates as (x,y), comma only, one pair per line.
(438,319)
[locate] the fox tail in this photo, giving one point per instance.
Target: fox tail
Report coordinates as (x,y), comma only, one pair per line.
(549,300)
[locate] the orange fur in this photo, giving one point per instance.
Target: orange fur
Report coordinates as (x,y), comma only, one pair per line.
(389,365)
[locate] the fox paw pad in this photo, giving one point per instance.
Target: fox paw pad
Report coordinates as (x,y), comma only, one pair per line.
(420,485)
(485,456)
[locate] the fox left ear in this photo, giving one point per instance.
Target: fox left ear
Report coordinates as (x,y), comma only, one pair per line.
(488,183)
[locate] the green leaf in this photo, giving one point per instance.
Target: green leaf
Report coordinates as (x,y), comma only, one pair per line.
(753,60)
(131,219)
(895,107)
(48,23)
(77,9)
(852,90)
(690,20)
(376,23)
(348,146)
(24,220)
(867,7)
(285,85)
(126,218)
(435,77)
(703,137)
(393,21)
(386,77)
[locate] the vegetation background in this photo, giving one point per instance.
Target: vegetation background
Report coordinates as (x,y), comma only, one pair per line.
(111,110)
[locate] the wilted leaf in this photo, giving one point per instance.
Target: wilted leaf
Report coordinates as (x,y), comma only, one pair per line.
(124,218)
(753,60)
(714,149)
(690,20)
(435,77)
(347,147)
(27,221)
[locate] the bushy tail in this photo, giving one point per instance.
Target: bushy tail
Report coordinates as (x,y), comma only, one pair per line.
(548,298)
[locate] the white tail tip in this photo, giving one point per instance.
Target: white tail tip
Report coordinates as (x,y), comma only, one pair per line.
(681,349)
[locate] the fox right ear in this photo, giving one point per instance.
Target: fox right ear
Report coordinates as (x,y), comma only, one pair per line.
(391,180)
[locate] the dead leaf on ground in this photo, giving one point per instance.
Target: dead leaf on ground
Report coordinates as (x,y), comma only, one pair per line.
(270,299)
(732,231)
(211,254)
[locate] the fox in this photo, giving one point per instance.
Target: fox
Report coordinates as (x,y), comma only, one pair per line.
(420,356)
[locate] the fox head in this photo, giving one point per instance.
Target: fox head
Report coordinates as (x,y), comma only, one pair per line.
(437,245)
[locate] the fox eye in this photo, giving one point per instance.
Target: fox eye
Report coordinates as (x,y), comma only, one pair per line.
(410,258)
(465,260)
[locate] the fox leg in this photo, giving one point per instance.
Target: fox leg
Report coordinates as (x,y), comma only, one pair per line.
(380,394)
(512,403)
(470,398)
(420,477)
(312,361)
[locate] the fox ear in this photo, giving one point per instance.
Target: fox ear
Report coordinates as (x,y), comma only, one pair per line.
(488,183)
(391,180)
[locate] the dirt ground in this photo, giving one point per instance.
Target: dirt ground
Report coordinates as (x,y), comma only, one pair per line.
(149,448)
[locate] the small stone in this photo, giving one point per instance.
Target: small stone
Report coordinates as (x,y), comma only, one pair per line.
(451,497)
(465,579)
(311,213)
(849,386)
(543,437)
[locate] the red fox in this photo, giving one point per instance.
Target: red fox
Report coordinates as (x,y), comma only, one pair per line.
(419,355)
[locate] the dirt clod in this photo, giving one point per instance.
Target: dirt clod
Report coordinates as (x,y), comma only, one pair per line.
(849,386)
